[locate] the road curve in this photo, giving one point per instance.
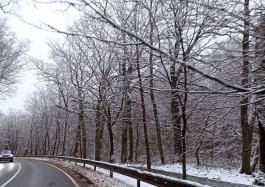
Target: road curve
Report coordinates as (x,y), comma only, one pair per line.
(32,173)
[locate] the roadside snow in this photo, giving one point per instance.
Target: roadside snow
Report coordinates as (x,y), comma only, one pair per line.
(98,179)
(128,180)
(232,175)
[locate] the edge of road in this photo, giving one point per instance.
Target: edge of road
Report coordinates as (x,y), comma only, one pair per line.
(80,180)
(71,178)
(7,182)
(77,178)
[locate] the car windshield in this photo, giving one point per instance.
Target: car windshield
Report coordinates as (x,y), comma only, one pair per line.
(6,152)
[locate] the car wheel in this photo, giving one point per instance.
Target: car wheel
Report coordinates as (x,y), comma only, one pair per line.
(11,160)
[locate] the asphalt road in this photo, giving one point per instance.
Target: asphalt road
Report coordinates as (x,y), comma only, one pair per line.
(32,173)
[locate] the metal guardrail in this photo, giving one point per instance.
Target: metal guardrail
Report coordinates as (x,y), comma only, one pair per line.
(145,176)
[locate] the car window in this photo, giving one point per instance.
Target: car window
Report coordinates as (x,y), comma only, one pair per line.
(6,152)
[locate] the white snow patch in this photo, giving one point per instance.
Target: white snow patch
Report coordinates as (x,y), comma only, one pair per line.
(225,175)
(97,178)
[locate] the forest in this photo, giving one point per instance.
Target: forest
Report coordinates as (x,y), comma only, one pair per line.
(149,81)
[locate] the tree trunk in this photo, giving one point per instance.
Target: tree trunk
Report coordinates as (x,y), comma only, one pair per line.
(126,122)
(82,123)
(124,136)
(260,111)
(77,141)
(175,114)
(136,143)
(184,118)
(197,153)
(129,113)
(99,132)
(46,143)
(148,157)
(31,140)
(261,147)
(130,156)
(255,159)
(247,129)
(152,95)
(65,132)
(36,150)
(57,140)
(109,122)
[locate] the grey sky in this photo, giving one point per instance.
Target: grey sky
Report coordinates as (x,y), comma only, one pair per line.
(38,38)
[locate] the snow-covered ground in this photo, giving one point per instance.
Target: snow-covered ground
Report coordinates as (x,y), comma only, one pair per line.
(102,178)
(232,175)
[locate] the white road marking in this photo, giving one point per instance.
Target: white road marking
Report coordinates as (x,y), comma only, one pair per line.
(73,181)
(19,167)
(1,167)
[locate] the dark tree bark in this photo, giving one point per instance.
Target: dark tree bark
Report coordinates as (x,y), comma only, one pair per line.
(30,140)
(260,57)
(197,153)
(57,138)
(175,105)
(77,141)
(99,131)
(152,94)
(148,157)
(175,112)
(261,147)
(81,121)
(183,110)
(136,143)
(255,159)
(247,129)
(109,122)
(129,118)
(129,114)
(65,132)
(46,143)
(124,135)
(127,132)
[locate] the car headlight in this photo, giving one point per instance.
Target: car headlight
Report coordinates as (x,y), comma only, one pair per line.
(10,155)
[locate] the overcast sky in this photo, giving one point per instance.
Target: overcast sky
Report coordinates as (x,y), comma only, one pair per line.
(49,14)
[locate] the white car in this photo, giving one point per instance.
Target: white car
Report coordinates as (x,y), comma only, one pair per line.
(6,155)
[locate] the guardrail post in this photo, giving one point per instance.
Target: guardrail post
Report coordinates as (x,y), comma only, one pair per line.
(111,173)
(84,165)
(138,183)
(95,168)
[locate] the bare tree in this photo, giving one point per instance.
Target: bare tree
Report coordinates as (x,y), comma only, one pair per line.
(12,59)
(247,129)
(6,5)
